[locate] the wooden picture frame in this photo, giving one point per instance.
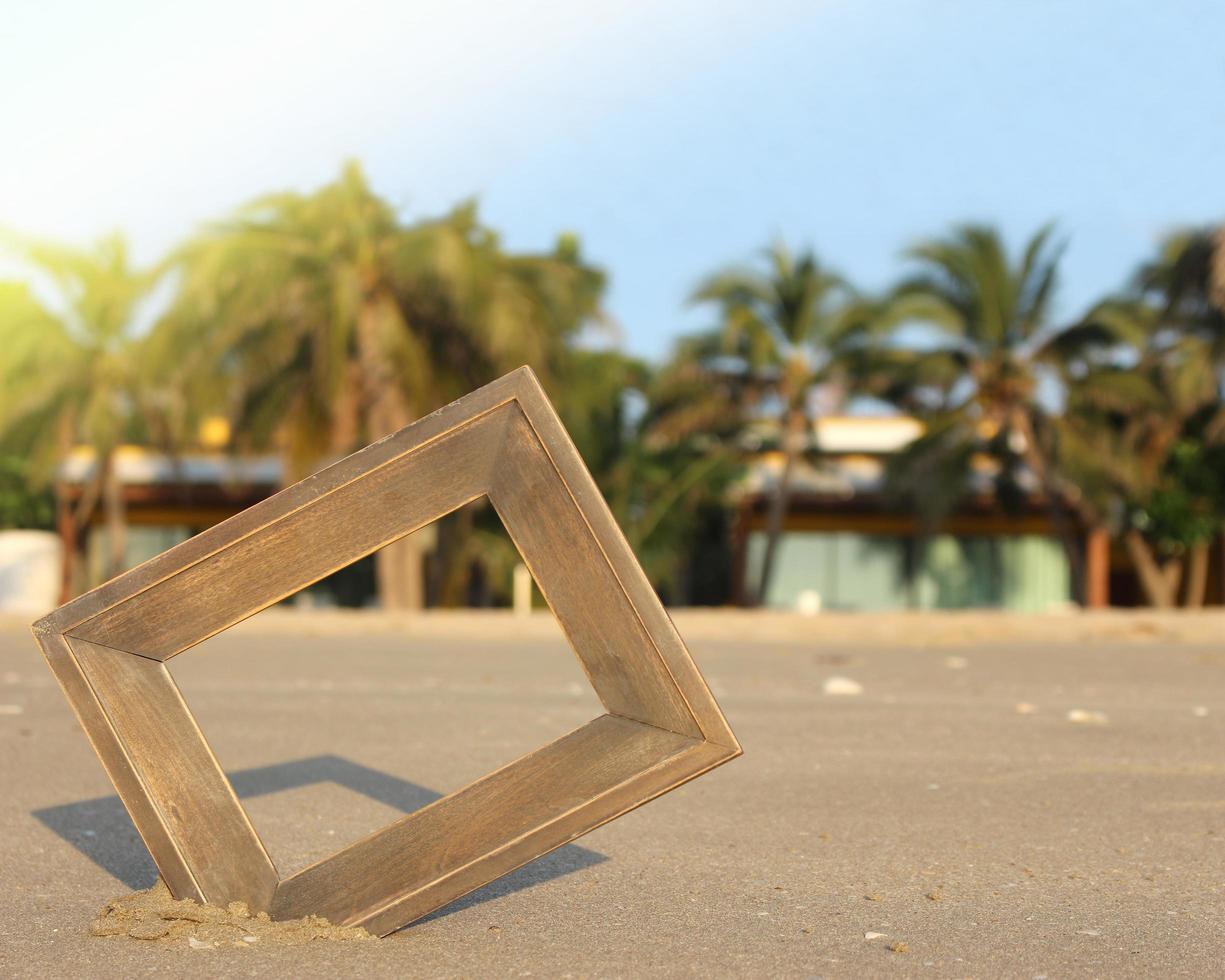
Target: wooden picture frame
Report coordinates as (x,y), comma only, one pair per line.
(109,650)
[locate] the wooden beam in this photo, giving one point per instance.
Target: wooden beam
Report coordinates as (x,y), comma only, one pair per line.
(1097,569)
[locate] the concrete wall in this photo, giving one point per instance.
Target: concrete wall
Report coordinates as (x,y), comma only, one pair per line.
(29,572)
(1026,573)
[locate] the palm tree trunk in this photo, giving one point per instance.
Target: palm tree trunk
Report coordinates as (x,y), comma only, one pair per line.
(793,435)
(1172,570)
(116,519)
(1216,276)
(1197,575)
(399,572)
(662,505)
(399,568)
(70,542)
(452,554)
(74,522)
(1159,584)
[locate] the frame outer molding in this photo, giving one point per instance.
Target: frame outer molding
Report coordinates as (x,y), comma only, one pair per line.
(108,650)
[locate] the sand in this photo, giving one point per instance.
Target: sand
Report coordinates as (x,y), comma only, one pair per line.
(154,915)
(1054,847)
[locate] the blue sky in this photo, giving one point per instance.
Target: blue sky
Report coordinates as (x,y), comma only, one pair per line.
(674,137)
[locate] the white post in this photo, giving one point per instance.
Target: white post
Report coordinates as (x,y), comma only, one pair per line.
(522,590)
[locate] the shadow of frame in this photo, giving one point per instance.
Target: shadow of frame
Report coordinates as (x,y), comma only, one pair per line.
(101,829)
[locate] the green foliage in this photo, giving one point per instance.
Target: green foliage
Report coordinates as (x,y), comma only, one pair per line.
(1187,507)
(322,321)
(975,373)
(23,502)
(782,330)
(317,322)
(1141,433)
(73,369)
(594,391)
(660,444)
(969,287)
(1185,284)
(783,323)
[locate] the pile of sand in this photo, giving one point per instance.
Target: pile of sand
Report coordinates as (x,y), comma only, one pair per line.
(154,915)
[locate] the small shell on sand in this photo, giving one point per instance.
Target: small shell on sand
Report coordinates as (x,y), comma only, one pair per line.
(842,686)
(154,915)
(1080,716)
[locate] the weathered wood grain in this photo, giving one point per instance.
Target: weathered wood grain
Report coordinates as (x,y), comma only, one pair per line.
(574,575)
(106,743)
(484,830)
(629,795)
(323,535)
(179,775)
(354,467)
(603,528)
(664,727)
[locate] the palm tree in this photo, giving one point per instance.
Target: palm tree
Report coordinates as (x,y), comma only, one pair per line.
(1216,276)
(1135,439)
(785,325)
(324,321)
(1144,433)
(74,373)
(1186,283)
(662,445)
(976,374)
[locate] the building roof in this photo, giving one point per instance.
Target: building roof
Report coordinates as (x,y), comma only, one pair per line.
(865,434)
(137,466)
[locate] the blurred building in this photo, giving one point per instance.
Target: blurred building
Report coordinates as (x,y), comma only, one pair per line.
(844,545)
(165,500)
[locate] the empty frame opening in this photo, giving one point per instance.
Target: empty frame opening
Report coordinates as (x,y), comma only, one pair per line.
(362,719)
